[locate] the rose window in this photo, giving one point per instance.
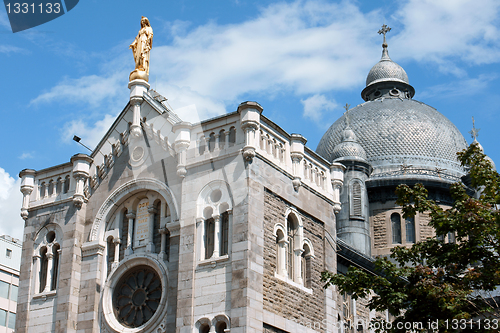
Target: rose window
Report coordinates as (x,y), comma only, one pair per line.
(137,296)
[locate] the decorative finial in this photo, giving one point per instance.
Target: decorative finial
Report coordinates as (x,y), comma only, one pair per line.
(346,107)
(385,29)
(475,131)
(141,47)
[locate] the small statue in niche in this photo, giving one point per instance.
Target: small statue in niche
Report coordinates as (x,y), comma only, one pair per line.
(141,48)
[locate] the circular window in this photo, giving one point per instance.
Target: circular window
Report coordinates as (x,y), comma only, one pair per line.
(215,195)
(137,153)
(394,92)
(50,237)
(137,296)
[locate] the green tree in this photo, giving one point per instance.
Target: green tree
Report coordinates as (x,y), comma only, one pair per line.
(437,282)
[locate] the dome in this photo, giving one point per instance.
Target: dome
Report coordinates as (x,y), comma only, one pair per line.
(349,148)
(396,131)
(386,70)
(400,136)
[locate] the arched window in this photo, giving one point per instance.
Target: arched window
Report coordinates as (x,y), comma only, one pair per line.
(396,228)
(232,136)
(66,184)
(43,269)
(51,188)
(306,264)
(222,139)
(221,326)
(214,220)
(205,328)
(356,199)
(211,142)
(410,230)
(42,190)
(201,147)
(47,260)
(224,233)
(291,230)
(209,237)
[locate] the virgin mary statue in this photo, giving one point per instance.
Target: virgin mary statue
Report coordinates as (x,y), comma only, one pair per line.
(141,47)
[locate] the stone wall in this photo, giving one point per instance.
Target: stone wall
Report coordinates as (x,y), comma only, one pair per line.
(379,229)
(281,297)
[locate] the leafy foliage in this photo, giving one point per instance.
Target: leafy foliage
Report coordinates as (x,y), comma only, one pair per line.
(435,280)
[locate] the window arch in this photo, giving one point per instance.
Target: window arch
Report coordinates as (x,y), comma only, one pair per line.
(396,228)
(46,259)
(306,263)
(356,199)
(291,245)
(410,229)
(214,214)
(220,323)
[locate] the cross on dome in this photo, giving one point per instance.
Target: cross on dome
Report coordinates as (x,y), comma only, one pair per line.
(385,29)
(475,131)
(346,107)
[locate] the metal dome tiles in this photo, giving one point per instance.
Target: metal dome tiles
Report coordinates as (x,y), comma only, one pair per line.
(386,70)
(348,149)
(390,129)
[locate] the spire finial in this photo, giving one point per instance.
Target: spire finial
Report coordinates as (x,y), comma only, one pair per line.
(346,107)
(475,131)
(385,29)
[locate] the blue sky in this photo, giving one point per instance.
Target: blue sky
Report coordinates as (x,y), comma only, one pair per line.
(301,60)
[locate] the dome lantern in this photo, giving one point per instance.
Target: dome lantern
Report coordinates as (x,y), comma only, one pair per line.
(387,78)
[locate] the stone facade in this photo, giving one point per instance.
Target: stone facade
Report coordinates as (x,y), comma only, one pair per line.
(280,297)
(223,225)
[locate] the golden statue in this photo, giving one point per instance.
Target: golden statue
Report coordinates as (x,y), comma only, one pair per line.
(141,47)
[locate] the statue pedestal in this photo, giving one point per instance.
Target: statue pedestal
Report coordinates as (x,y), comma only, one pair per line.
(137,88)
(138,75)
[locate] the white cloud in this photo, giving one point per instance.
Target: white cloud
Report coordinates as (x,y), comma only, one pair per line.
(464,87)
(303,48)
(11,49)
(447,30)
(11,198)
(26,155)
(288,47)
(316,105)
(90,134)
(93,90)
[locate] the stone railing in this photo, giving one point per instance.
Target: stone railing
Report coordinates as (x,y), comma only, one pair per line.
(316,174)
(215,139)
(272,146)
(53,187)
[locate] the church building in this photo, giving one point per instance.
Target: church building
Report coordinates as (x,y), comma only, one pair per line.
(226,225)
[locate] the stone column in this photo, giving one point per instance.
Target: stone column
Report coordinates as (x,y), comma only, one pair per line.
(297,265)
(36,269)
(163,232)
(151,246)
(182,141)
(282,257)
(250,122)
(117,242)
(130,233)
(217,140)
(137,90)
(27,185)
(217,243)
(81,167)
(297,154)
(50,270)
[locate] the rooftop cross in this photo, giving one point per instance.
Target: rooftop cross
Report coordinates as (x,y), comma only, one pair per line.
(346,107)
(475,131)
(385,29)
